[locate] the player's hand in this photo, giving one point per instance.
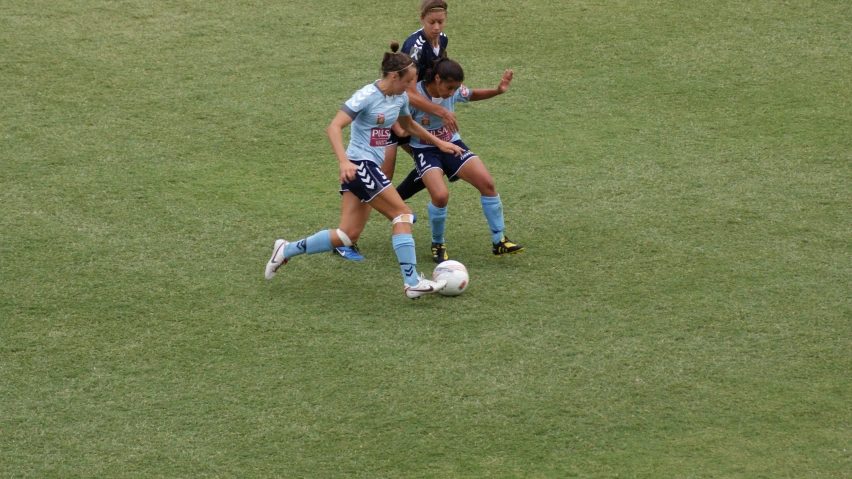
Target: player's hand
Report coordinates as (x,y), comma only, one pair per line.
(449,119)
(347,171)
(506,81)
(448,147)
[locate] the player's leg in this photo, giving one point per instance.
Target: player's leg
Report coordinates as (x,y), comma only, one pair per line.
(475,173)
(389,203)
(353,218)
(410,186)
(351,209)
(354,214)
(389,166)
(431,164)
(352,252)
(433,178)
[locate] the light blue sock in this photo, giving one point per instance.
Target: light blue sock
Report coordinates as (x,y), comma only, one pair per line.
(492,207)
(317,243)
(438,222)
(403,245)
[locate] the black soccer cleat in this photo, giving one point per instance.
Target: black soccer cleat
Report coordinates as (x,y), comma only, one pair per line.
(439,252)
(505,246)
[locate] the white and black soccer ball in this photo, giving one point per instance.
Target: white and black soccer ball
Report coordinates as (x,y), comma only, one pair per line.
(455,274)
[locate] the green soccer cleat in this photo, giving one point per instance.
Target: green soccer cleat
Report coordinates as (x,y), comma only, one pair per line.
(439,252)
(505,246)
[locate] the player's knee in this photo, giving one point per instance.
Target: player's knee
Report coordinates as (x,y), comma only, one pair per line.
(487,188)
(441,199)
(403,215)
(348,237)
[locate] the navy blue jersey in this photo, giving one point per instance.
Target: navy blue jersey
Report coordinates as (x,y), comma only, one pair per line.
(421,51)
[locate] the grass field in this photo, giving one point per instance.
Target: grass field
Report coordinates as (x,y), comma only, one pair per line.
(679,172)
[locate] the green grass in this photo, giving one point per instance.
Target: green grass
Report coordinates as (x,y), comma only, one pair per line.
(678,171)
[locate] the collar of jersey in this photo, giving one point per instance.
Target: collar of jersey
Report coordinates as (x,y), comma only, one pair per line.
(423,34)
(388,98)
(426,93)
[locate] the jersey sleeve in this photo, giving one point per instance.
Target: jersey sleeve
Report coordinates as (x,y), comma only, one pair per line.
(413,48)
(358,102)
(462,94)
(405,109)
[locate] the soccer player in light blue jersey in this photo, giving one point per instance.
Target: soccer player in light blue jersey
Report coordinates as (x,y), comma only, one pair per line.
(371,111)
(443,86)
(424,46)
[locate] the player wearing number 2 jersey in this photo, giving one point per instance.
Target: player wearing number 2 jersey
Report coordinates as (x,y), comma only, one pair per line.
(444,87)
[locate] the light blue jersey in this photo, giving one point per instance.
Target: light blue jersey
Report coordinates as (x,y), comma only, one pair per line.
(373,113)
(433,123)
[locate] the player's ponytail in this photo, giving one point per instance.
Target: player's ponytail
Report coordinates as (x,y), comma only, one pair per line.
(448,70)
(393,62)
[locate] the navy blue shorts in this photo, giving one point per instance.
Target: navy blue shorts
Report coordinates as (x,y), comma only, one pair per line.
(427,158)
(369,181)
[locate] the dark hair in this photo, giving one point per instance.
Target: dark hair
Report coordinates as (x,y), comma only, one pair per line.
(394,62)
(429,6)
(448,70)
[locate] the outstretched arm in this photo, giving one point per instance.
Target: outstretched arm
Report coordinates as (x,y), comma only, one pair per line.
(476,95)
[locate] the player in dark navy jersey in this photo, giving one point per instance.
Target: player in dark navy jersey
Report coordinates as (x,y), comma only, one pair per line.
(424,47)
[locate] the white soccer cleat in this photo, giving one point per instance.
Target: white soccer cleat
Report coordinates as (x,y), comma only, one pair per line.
(277,260)
(424,286)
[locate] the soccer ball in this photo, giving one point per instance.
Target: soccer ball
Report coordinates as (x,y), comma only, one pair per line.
(456,276)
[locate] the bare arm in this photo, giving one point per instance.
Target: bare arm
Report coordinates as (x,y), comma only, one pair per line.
(422,103)
(476,95)
(335,136)
(415,129)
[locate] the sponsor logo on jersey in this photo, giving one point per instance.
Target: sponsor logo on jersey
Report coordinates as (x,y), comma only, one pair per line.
(379,136)
(464,91)
(381,119)
(443,134)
